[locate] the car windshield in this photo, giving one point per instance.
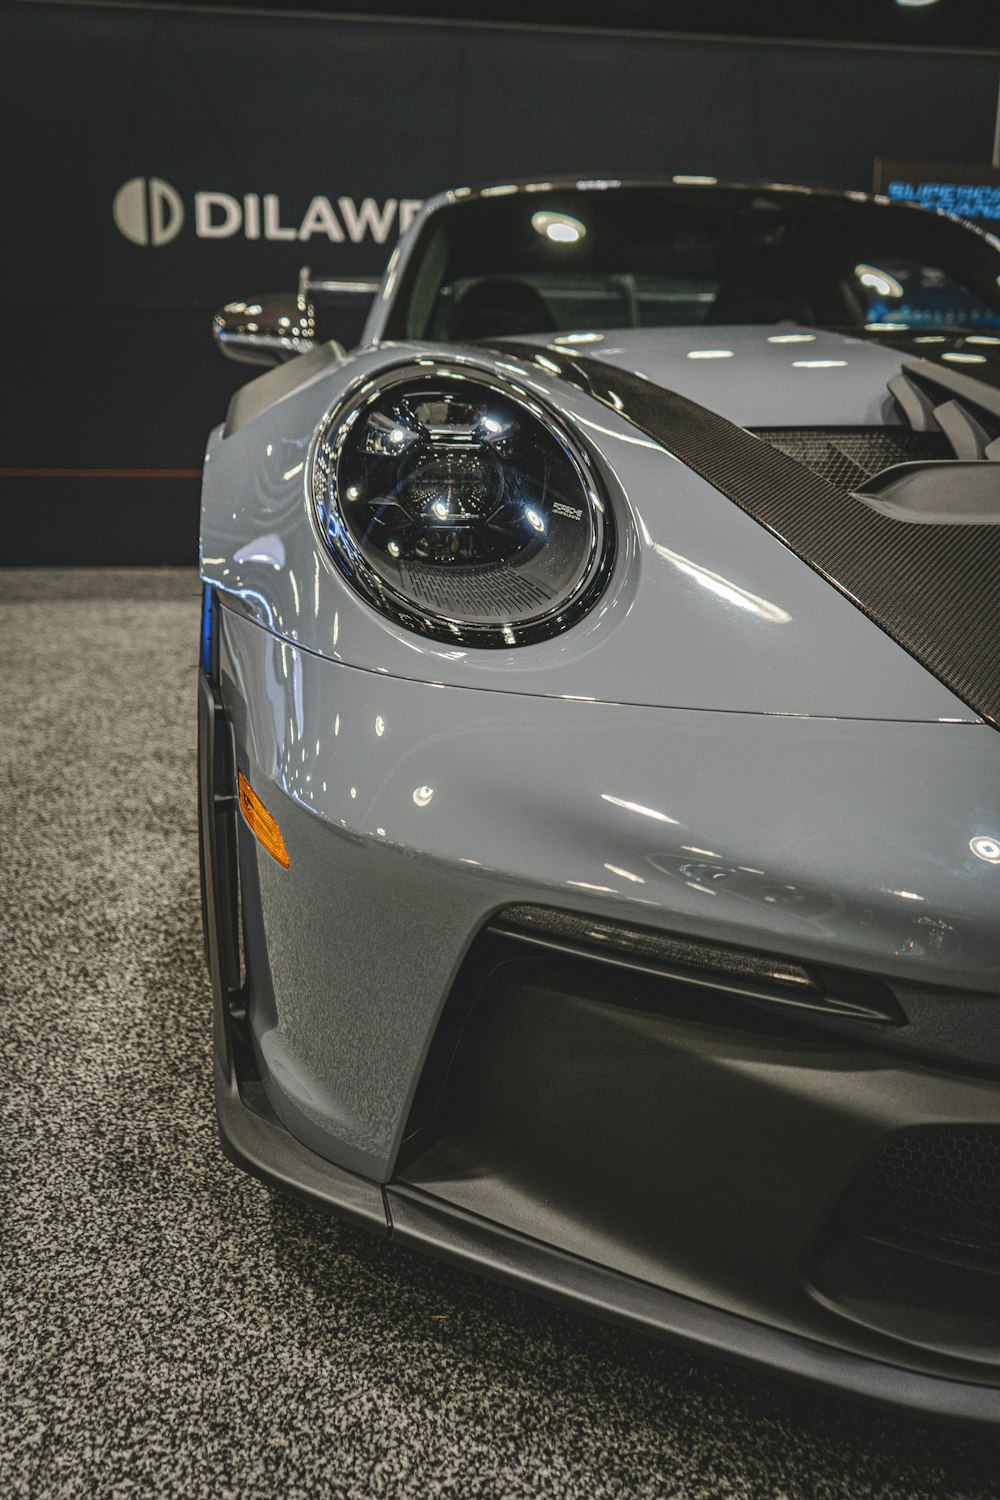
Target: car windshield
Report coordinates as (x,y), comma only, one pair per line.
(514,261)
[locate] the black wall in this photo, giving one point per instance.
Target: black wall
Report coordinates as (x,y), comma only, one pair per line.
(109,358)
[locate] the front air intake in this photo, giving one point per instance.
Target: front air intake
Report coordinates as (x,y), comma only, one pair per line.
(933,1191)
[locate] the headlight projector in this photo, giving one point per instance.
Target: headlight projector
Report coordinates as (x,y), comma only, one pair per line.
(461,508)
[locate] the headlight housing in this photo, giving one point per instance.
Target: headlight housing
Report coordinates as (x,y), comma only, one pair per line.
(460,507)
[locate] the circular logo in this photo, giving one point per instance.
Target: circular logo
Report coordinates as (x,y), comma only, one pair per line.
(985,847)
(148,211)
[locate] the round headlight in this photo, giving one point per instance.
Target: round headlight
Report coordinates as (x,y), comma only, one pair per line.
(461,508)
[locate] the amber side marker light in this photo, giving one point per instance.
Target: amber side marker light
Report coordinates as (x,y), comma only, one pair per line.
(260,822)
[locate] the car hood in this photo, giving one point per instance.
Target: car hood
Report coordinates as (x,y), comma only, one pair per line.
(705,608)
(774,375)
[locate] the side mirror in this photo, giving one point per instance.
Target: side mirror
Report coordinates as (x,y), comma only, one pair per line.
(266,332)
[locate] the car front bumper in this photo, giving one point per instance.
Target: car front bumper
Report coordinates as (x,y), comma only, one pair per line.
(656,1158)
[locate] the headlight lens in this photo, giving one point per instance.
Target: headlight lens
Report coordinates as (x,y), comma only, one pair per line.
(461,507)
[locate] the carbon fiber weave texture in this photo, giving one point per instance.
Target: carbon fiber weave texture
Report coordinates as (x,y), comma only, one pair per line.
(846,457)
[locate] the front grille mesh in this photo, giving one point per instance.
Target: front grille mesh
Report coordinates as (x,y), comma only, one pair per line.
(935,1191)
(848,456)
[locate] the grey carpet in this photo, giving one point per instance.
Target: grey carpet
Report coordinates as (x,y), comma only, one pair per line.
(169,1327)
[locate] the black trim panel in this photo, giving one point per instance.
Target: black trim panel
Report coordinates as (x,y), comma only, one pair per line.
(935,589)
(414,1219)
(268,1151)
(424,1223)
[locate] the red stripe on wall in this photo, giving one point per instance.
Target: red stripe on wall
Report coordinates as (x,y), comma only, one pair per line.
(100,473)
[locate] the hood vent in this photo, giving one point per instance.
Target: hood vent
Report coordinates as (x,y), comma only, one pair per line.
(848,457)
(965,410)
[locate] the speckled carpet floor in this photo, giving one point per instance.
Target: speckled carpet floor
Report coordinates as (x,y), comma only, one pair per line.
(169,1327)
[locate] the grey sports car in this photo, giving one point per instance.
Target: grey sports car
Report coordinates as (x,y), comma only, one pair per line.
(600,776)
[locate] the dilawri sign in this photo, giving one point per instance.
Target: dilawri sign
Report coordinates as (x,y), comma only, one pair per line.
(166,160)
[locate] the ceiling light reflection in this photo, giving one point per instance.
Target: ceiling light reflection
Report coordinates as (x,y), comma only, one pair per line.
(625,874)
(722,588)
(879,281)
(562,229)
(637,807)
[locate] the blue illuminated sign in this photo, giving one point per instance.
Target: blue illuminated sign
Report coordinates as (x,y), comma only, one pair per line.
(970,192)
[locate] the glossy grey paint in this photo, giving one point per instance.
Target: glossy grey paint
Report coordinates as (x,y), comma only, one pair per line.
(704,609)
(412,813)
(776,374)
(259,396)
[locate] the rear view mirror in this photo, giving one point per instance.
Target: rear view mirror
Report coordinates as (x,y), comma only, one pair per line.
(266,332)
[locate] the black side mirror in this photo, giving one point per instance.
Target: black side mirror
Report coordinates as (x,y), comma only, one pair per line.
(266,332)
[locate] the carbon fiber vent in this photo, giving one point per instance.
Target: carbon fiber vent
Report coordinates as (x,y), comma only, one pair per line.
(659,947)
(935,1191)
(737,971)
(847,457)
